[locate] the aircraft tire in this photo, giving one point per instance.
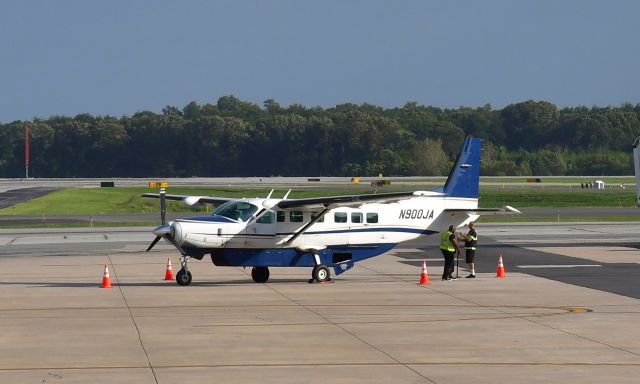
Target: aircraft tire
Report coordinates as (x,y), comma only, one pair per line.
(183,277)
(260,274)
(321,273)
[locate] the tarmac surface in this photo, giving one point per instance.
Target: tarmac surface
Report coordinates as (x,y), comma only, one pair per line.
(15,196)
(566,312)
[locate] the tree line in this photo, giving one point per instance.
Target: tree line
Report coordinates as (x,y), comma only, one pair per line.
(238,138)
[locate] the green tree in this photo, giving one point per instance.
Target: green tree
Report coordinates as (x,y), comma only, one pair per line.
(429,159)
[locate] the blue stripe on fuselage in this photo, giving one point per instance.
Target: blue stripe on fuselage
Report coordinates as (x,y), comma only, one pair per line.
(290,257)
(378,229)
(221,219)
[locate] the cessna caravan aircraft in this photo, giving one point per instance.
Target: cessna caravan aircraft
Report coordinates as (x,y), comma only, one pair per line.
(322,232)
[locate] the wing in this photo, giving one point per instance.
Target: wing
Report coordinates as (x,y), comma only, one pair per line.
(191,200)
(352,200)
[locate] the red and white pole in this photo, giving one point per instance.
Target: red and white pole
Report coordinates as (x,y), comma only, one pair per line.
(26,151)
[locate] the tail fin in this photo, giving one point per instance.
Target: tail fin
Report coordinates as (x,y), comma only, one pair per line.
(464,177)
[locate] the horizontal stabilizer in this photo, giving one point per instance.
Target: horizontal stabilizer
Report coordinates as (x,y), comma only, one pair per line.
(506,210)
(462,216)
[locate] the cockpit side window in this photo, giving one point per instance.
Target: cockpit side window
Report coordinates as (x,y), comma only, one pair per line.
(267,218)
(236,210)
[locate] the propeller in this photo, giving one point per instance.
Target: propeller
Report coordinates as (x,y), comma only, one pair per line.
(162,230)
(154,242)
(163,206)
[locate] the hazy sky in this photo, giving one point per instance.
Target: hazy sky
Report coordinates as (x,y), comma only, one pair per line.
(120,57)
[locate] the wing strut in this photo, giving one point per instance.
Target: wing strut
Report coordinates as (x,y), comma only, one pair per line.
(306,226)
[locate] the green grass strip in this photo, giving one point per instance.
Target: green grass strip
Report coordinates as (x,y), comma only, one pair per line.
(102,201)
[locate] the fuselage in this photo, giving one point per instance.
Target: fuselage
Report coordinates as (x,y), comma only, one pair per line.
(257,233)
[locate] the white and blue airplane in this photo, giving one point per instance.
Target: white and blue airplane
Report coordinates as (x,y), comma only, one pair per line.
(322,232)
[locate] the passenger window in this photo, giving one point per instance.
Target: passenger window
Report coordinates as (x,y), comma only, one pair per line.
(296,216)
(372,217)
(356,217)
(267,218)
(314,215)
(340,217)
(280,215)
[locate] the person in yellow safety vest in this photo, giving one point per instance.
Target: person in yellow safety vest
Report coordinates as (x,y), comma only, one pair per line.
(470,242)
(449,247)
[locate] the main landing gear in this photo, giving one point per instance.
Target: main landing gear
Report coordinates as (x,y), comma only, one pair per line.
(260,274)
(183,277)
(320,273)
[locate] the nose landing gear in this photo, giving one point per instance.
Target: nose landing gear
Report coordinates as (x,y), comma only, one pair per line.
(183,277)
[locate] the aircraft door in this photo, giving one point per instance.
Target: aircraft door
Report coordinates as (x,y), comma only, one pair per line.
(341,222)
(261,232)
(356,222)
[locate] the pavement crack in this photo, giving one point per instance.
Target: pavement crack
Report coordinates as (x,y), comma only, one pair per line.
(352,334)
(585,230)
(528,318)
(135,323)
(582,337)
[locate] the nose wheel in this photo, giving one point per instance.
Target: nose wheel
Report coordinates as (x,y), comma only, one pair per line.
(183,277)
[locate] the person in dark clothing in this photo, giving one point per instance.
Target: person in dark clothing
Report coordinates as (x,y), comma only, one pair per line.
(449,247)
(470,243)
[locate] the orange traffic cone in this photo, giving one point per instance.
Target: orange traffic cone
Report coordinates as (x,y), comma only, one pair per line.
(424,276)
(501,272)
(168,275)
(106,280)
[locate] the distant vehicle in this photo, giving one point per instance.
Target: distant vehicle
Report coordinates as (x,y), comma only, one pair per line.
(322,232)
(636,162)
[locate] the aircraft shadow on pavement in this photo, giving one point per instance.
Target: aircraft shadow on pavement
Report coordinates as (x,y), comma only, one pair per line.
(49,284)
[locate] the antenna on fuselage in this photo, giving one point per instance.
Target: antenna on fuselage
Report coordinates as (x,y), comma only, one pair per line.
(286,195)
(269,195)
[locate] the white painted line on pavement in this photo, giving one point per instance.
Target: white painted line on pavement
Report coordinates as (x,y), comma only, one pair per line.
(559,266)
(566,241)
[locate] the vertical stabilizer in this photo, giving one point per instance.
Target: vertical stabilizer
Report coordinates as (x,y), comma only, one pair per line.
(464,178)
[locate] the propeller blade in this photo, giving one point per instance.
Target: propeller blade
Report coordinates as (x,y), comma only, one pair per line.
(154,242)
(163,206)
(175,244)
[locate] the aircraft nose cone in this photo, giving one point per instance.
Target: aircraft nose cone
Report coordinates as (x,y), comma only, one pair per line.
(162,230)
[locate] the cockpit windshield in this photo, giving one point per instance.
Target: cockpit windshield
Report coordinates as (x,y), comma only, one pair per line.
(236,210)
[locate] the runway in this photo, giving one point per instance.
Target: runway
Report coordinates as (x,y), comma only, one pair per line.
(556,317)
